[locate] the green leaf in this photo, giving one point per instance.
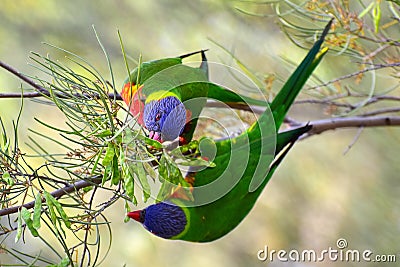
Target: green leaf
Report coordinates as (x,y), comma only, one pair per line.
(129,185)
(26,215)
(394,1)
(37,210)
(165,191)
(170,177)
(162,169)
(61,212)
(7,178)
(175,173)
(50,206)
(52,202)
(150,170)
(365,11)
(107,173)
(116,175)
(109,156)
(104,133)
(127,209)
(64,262)
(19,227)
(87,189)
(376,12)
(141,175)
(198,162)
(152,142)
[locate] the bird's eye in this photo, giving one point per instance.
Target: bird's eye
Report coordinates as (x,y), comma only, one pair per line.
(158,116)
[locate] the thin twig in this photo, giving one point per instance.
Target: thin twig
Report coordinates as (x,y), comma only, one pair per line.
(57,194)
(351,122)
(356,137)
(375,67)
(29,81)
(324,102)
(41,91)
(381,111)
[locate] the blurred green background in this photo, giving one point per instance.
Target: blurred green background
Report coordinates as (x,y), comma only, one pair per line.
(317,196)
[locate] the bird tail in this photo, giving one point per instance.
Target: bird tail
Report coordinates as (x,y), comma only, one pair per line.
(193,53)
(288,137)
(204,64)
(284,99)
(285,142)
(280,106)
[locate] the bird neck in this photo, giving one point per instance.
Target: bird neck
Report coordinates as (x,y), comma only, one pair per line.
(183,206)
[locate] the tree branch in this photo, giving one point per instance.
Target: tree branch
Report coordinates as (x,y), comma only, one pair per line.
(41,91)
(29,81)
(374,67)
(321,126)
(69,188)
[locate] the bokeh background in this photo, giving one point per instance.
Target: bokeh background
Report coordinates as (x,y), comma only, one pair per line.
(318,195)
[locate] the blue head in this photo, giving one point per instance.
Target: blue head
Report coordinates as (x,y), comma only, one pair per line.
(164,118)
(162,219)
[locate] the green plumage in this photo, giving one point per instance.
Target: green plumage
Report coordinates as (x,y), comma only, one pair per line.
(215,219)
(169,77)
(223,195)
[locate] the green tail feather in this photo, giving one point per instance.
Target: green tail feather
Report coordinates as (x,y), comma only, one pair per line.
(287,137)
(284,99)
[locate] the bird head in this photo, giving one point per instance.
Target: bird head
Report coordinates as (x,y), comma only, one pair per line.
(132,96)
(165,118)
(163,219)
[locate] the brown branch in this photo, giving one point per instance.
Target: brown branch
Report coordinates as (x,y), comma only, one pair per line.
(29,81)
(321,126)
(41,91)
(69,188)
(324,102)
(381,111)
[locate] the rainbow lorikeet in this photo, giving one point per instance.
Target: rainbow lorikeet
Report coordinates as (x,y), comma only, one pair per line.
(225,194)
(167,96)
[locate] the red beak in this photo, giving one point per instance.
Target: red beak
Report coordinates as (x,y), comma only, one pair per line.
(136,215)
